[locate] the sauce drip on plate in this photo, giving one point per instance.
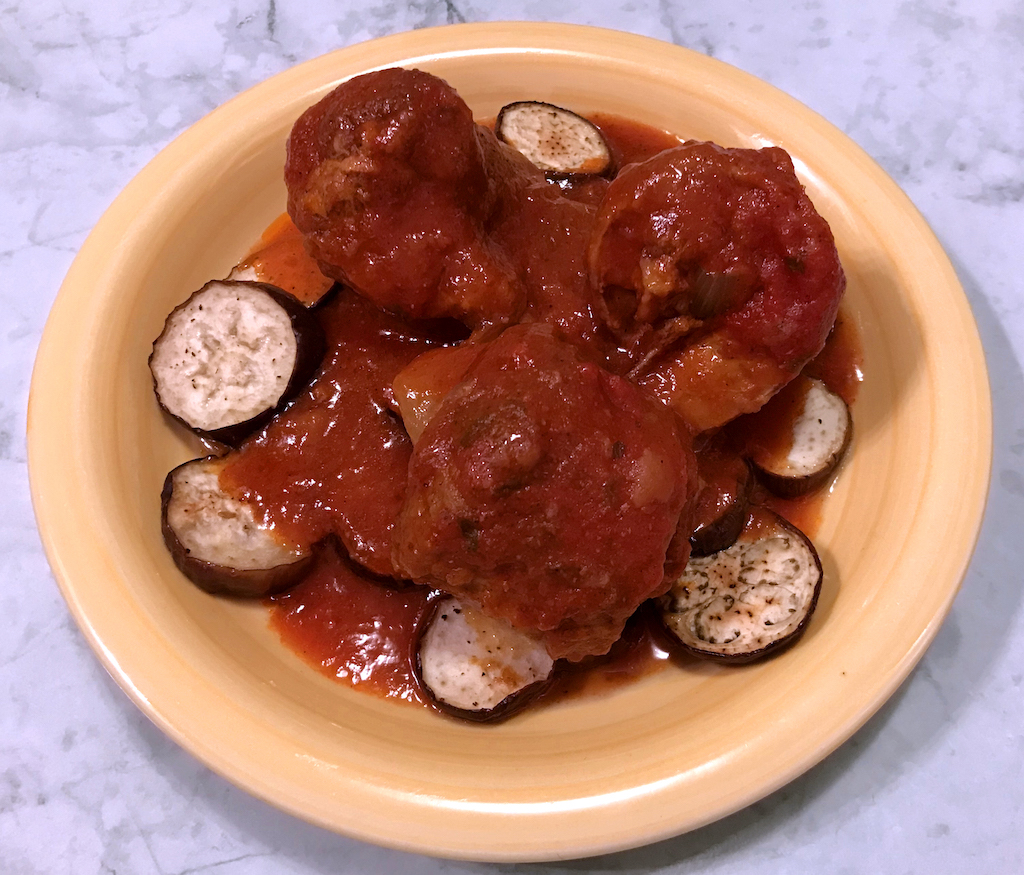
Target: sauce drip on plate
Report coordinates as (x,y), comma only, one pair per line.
(343,620)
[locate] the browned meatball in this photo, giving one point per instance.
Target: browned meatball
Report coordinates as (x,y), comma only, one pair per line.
(546,490)
(396,189)
(714,266)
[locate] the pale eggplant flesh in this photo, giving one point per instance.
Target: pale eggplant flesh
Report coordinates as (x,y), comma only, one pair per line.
(750,600)
(557,140)
(232,356)
(476,667)
(219,542)
(807,430)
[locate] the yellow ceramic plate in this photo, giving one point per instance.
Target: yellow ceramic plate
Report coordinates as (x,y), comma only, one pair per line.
(665,755)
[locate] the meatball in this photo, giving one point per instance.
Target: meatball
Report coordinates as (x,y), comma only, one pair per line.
(719,275)
(396,189)
(547,491)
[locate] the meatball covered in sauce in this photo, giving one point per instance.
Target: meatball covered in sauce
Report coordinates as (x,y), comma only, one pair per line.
(396,189)
(547,491)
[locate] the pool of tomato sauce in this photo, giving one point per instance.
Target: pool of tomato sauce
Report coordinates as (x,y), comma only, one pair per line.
(362,630)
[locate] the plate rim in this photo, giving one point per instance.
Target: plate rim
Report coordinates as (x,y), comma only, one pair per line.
(468,39)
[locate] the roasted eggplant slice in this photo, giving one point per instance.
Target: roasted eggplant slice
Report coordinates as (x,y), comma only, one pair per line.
(749,600)
(722,503)
(232,355)
(557,140)
(799,437)
(476,667)
(217,541)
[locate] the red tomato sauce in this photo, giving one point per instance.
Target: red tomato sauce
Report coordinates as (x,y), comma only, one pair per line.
(840,365)
(280,259)
(351,445)
(350,625)
(354,628)
(631,141)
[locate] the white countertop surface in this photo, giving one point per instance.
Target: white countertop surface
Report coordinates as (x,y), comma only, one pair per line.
(90,90)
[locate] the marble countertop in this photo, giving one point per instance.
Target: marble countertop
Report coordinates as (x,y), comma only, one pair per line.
(90,91)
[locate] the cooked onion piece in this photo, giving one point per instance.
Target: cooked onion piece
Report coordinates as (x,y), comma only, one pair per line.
(232,354)
(801,437)
(557,140)
(217,541)
(477,667)
(749,600)
(421,386)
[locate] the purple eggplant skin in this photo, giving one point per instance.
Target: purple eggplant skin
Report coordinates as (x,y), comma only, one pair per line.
(759,520)
(310,346)
(220,579)
(506,708)
(720,531)
(608,169)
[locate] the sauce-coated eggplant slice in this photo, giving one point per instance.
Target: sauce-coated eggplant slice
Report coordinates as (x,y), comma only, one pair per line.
(749,600)
(802,435)
(217,541)
(557,140)
(476,667)
(722,503)
(232,355)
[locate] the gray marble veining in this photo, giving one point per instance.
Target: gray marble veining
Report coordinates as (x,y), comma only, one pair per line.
(934,91)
